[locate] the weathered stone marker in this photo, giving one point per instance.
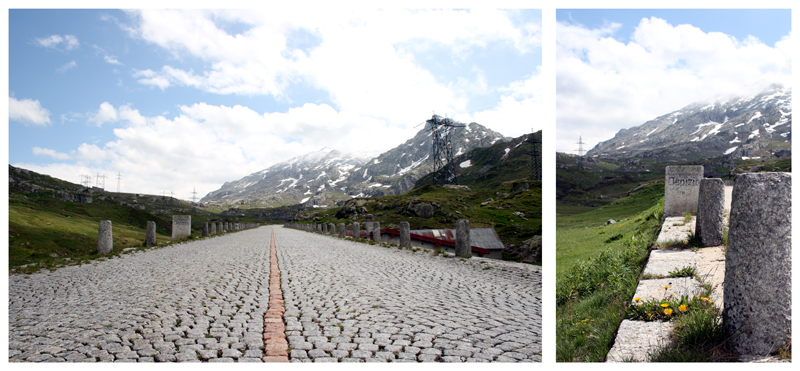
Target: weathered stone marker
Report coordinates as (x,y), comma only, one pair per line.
(181,226)
(342,229)
(150,234)
(368,226)
(758,277)
(221,229)
(205,229)
(324,228)
(681,188)
(356,230)
(332,228)
(405,234)
(463,244)
(376,231)
(105,242)
(710,209)
(213,228)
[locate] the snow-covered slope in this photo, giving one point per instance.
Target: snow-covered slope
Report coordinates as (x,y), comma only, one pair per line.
(740,127)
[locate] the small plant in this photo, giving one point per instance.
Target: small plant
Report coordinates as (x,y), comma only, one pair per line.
(683,272)
(687,216)
(486,268)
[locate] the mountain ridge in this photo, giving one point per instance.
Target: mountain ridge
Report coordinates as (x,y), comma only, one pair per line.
(740,127)
(325,177)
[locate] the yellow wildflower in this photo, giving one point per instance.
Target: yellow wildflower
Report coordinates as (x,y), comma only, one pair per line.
(668,311)
(666,287)
(683,308)
(664,305)
(637,299)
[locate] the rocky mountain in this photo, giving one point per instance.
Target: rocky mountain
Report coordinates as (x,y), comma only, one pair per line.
(322,178)
(756,126)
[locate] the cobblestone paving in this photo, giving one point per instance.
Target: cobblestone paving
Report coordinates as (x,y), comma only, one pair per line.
(353,302)
(197,301)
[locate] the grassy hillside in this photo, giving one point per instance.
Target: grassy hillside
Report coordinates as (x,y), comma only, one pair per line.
(598,269)
(46,231)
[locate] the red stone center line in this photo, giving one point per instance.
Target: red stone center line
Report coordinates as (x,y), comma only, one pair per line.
(275,345)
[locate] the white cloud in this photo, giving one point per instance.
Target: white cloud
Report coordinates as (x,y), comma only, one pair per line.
(604,85)
(518,111)
(363,59)
(207,145)
(68,42)
(106,113)
(28,111)
(52,153)
(66,67)
(112,60)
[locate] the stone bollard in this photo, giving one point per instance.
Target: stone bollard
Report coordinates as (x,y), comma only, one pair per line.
(205,229)
(342,229)
(213,228)
(405,234)
(181,226)
(356,230)
(221,229)
(376,231)
(324,228)
(332,228)
(709,224)
(105,242)
(150,234)
(682,185)
(463,244)
(758,278)
(368,225)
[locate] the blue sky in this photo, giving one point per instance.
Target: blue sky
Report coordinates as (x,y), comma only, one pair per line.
(618,68)
(184,99)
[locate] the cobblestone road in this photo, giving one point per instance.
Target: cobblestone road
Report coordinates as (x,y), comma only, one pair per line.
(353,302)
(197,301)
(345,301)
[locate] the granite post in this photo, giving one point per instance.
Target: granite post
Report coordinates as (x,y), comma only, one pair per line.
(205,229)
(342,229)
(356,230)
(376,231)
(405,234)
(181,226)
(709,224)
(150,234)
(105,242)
(681,189)
(463,244)
(758,263)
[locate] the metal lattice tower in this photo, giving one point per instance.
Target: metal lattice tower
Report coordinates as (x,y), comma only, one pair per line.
(194,194)
(536,155)
(86,180)
(100,181)
(442,148)
(119,179)
(580,146)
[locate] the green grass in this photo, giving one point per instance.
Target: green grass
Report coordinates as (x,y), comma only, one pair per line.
(597,271)
(583,235)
